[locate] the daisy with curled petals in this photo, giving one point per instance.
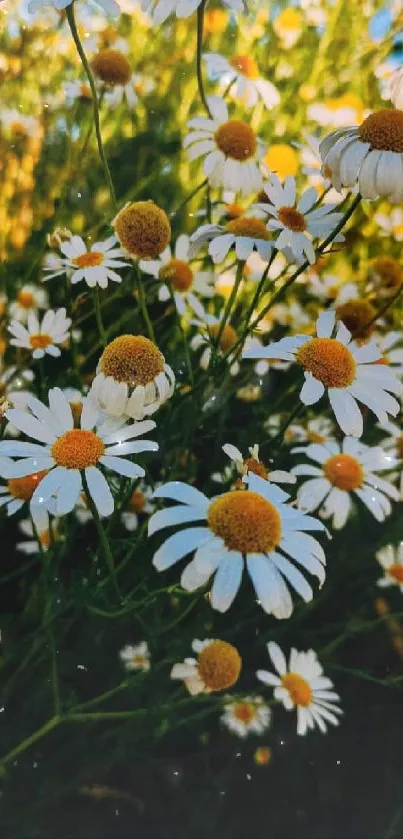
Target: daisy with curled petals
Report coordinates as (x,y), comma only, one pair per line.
(303,686)
(178,277)
(41,338)
(29,298)
(344,470)
(255,526)
(253,464)
(95,266)
(68,454)
(245,234)
(348,372)
(231,149)
(136,657)
(391,559)
(217,667)
(369,155)
(242,73)
(162,9)
(249,715)
(298,223)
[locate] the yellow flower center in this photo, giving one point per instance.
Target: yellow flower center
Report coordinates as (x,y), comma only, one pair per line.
(25,299)
(246,65)
(344,471)
(228,336)
(245,521)
(244,712)
(77,449)
(262,756)
(256,466)
(89,260)
(236,139)
(177,273)
(112,67)
(356,314)
(291,217)
(329,361)
(383,130)
(215,20)
(85,91)
(137,501)
(388,272)
(139,661)
(397,229)
(219,665)
(298,688)
(132,359)
(40,341)
(248,226)
(282,159)
(288,19)
(143,229)
(24,488)
(396,571)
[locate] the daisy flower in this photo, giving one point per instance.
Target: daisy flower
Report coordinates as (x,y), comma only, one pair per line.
(245,234)
(386,275)
(242,73)
(345,470)
(253,464)
(392,224)
(37,528)
(288,26)
(370,155)
(41,338)
(70,453)
(132,378)
(110,7)
(17,491)
(231,149)
(13,382)
(254,526)
(391,559)
(29,298)
(139,503)
(303,686)
(162,9)
(217,667)
(112,68)
(80,91)
(175,273)
(316,430)
(136,657)
(348,372)
(391,347)
(209,329)
(297,223)
(393,444)
(95,266)
(249,715)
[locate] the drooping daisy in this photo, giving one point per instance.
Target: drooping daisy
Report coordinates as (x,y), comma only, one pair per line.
(162,9)
(242,73)
(112,67)
(41,338)
(70,453)
(249,715)
(303,686)
(209,329)
(95,266)
(29,298)
(344,470)
(132,378)
(244,234)
(136,657)
(138,504)
(18,491)
(175,272)
(230,147)
(298,223)
(348,372)
(110,7)
(254,525)
(370,155)
(253,464)
(38,529)
(217,667)
(391,559)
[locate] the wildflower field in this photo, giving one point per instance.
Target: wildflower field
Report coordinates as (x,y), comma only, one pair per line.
(201,373)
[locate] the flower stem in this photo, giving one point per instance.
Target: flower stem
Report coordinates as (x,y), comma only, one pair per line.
(143,305)
(103,540)
(29,741)
(200,23)
(230,301)
(98,316)
(184,339)
(90,77)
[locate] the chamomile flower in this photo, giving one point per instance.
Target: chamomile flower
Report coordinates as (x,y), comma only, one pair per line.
(391,559)
(139,504)
(386,275)
(315,430)
(162,9)
(231,149)
(38,529)
(370,155)
(245,234)
(175,273)
(77,92)
(110,7)
(393,444)
(297,223)
(391,224)
(136,657)
(112,68)
(253,464)
(339,366)
(13,383)
(288,26)
(303,686)
(132,378)
(41,338)
(242,73)
(217,667)
(391,347)
(255,526)
(95,266)
(343,471)
(68,454)
(206,337)
(249,715)
(17,491)
(29,298)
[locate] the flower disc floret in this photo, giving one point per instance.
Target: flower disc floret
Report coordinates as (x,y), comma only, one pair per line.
(132,359)
(177,273)
(24,488)
(143,229)
(248,226)
(40,341)
(396,571)
(91,259)
(219,665)
(298,688)
(383,130)
(245,711)
(329,361)
(77,449)
(357,315)
(236,139)
(245,521)
(292,218)
(112,67)
(25,298)
(256,466)
(246,65)
(137,501)
(344,471)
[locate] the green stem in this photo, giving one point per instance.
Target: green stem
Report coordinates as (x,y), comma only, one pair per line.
(230,301)
(200,23)
(189,198)
(91,81)
(183,334)
(98,316)
(103,540)
(143,306)
(33,738)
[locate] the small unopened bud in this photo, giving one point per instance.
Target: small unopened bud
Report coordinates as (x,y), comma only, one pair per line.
(58,236)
